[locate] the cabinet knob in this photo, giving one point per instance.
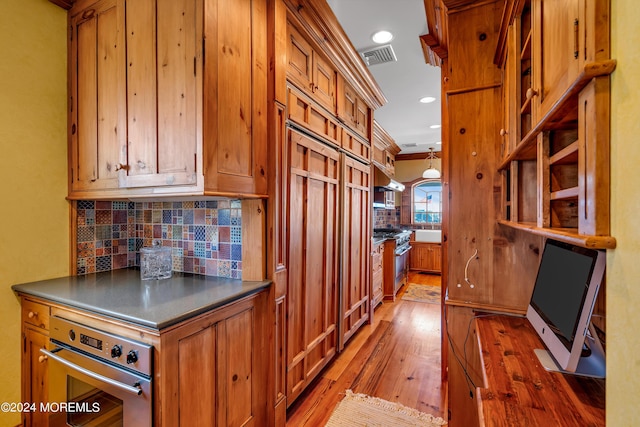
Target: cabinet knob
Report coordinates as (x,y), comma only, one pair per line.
(42,358)
(32,314)
(503,132)
(531,93)
(121,166)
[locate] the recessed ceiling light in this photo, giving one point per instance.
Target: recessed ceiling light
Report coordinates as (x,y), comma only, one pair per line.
(435,126)
(427,99)
(382,36)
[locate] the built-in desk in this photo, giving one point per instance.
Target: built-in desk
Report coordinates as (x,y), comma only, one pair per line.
(519,391)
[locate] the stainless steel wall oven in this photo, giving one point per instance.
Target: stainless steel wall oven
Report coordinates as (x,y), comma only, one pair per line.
(97,378)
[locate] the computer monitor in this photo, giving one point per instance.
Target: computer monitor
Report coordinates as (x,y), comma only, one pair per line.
(561,305)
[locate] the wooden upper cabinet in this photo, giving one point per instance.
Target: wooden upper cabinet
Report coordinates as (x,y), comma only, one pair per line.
(570,39)
(134,94)
(139,123)
(309,70)
(97,126)
(235,102)
(353,110)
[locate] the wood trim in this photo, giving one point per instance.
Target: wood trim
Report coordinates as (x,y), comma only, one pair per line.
(417,156)
(65,4)
(564,234)
(319,21)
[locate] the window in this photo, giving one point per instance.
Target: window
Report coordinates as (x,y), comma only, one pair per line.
(427,202)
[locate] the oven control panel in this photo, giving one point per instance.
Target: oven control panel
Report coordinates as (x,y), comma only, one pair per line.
(120,350)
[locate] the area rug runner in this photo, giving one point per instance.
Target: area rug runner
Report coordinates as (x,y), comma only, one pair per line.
(422,293)
(360,410)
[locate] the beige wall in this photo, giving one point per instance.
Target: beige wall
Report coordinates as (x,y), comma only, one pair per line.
(34,243)
(408,170)
(623,263)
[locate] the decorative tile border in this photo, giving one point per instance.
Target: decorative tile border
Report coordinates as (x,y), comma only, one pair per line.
(205,236)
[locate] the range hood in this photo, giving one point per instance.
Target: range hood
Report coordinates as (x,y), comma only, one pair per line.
(383,181)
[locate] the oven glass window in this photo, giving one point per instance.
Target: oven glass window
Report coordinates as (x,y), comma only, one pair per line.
(92,406)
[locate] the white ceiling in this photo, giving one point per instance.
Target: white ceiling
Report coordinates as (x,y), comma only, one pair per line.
(403,82)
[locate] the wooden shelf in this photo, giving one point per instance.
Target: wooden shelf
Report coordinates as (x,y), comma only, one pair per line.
(568,235)
(565,194)
(526,149)
(568,155)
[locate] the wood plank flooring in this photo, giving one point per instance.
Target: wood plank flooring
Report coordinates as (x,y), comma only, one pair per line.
(397,358)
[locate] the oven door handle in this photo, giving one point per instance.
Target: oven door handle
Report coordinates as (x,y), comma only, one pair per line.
(102,378)
(404,251)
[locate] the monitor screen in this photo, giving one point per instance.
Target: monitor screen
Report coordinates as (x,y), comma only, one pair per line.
(561,305)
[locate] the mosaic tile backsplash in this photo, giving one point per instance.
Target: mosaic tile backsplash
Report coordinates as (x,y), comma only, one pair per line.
(205,236)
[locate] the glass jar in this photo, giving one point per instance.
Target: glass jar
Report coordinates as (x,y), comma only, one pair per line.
(155,262)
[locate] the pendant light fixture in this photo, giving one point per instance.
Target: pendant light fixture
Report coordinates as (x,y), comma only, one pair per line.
(431,172)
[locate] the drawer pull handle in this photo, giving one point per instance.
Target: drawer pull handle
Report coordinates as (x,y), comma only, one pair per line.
(32,314)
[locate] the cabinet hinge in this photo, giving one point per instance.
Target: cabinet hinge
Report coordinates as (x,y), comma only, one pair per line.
(194,66)
(24,342)
(71,32)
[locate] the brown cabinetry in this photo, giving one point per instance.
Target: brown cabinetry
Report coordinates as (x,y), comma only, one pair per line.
(557,131)
(356,232)
(353,110)
(384,150)
(221,379)
(309,70)
(35,335)
(377,274)
(138,121)
(314,259)
(426,257)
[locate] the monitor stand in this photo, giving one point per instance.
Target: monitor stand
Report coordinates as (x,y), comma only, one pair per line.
(592,365)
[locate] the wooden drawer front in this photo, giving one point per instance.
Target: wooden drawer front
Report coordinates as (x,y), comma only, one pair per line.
(35,314)
(306,113)
(356,146)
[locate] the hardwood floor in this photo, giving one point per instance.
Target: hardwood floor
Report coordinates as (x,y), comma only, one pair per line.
(397,358)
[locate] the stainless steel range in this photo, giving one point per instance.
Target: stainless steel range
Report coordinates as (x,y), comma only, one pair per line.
(397,262)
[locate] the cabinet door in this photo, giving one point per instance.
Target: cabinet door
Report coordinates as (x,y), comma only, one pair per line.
(356,238)
(97,119)
(135,94)
(362,118)
(34,376)
(324,82)
(235,109)
(377,275)
(163,39)
(312,290)
(556,47)
(299,59)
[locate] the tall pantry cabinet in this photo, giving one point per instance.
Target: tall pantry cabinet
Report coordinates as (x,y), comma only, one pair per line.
(167,98)
(320,202)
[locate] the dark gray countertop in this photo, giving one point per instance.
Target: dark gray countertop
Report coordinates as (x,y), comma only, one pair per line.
(152,303)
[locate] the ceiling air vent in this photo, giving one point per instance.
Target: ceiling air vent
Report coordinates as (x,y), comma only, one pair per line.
(378,55)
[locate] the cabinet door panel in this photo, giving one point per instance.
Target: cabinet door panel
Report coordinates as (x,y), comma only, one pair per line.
(556,47)
(161,93)
(324,81)
(300,57)
(239,367)
(355,247)
(197,377)
(313,259)
(235,109)
(98,125)
(34,374)
(141,89)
